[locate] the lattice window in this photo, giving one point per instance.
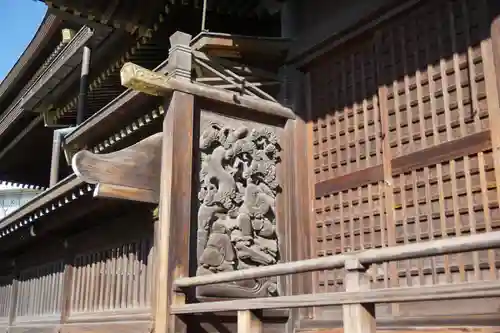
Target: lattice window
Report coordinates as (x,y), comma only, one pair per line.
(429,82)
(434,74)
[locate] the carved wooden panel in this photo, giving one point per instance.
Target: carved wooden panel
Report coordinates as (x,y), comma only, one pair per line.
(237,202)
(118,277)
(425,73)
(39,292)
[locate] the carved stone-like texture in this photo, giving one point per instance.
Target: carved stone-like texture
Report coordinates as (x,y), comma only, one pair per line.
(237,213)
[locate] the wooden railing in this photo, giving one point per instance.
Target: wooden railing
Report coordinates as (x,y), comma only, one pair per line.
(358,301)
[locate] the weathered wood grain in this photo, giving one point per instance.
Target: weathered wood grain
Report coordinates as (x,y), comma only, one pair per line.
(103,327)
(248,322)
(470,144)
(111,191)
(173,229)
(34,329)
(219,44)
(133,172)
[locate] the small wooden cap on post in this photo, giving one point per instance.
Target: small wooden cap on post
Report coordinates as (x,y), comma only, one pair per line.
(358,318)
(179,56)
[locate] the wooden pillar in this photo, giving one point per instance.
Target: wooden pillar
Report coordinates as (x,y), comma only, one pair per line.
(358,318)
(173,228)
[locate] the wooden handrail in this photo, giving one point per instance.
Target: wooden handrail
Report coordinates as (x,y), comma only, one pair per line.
(460,244)
(385,295)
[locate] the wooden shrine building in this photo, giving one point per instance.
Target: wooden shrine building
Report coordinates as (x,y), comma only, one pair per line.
(254,166)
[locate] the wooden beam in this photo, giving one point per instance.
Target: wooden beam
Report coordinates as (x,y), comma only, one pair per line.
(103,190)
(237,46)
(132,173)
(468,145)
(447,328)
(26,131)
(465,146)
(149,82)
(356,179)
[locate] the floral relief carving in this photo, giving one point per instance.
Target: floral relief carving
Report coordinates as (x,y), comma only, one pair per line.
(237,213)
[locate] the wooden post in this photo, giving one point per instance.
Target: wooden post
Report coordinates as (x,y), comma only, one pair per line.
(358,318)
(173,228)
(248,322)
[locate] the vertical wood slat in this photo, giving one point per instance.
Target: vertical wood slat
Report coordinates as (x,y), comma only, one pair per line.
(112,279)
(36,292)
(13,297)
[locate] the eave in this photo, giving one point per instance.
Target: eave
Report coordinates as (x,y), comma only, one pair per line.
(60,209)
(67,60)
(105,82)
(139,17)
(23,222)
(50,26)
(113,118)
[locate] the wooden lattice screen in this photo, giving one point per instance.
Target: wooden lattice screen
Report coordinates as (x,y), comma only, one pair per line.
(119,277)
(400,127)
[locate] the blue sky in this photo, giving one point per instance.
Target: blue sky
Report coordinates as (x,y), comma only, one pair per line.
(19,20)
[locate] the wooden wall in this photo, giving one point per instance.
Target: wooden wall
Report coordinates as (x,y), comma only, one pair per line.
(402,128)
(72,283)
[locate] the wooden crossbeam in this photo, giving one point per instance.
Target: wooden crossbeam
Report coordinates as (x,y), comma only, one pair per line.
(149,82)
(237,46)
